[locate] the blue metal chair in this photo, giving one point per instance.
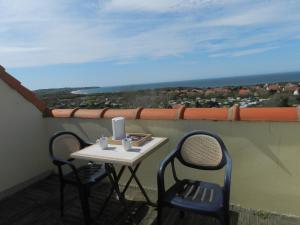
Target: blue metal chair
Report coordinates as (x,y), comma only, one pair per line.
(61,145)
(204,151)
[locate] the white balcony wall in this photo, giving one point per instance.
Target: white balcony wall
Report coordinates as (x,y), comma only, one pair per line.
(23,141)
(266,169)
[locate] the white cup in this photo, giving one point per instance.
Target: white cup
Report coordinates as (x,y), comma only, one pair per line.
(126,142)
(103,142)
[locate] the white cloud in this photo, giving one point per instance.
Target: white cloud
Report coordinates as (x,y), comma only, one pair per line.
(271,12)
(252,51)
(244,52)
(8,50)
(34,33)
(160,6)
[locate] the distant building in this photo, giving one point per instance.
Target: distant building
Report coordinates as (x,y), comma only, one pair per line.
(217,91)
(209,92)
(273,88)
(291,87)
(222,91)
(199,91)
(244,92)
(184,91)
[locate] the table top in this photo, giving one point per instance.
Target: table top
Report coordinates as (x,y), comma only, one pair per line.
(116,154)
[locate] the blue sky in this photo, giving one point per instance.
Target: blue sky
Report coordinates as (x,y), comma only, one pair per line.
(67,43)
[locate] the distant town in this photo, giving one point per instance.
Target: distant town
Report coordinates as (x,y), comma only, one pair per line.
(260,95)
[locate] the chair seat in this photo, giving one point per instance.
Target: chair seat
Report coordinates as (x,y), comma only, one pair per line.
(88,174)
(198,196)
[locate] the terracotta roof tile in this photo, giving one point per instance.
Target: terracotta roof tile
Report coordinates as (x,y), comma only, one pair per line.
(126,113)
(63,113)
(218,114)
(90,113)
(159,114)
(269,114)
(205,114)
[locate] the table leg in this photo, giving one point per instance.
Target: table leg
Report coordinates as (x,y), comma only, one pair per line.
(121,172)
(114,180)
(133,175)
(133,172)
(111,192)
(130,179)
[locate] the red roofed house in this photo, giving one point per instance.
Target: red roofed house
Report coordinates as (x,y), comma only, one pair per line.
(290,87)
(273,88)
(244,92)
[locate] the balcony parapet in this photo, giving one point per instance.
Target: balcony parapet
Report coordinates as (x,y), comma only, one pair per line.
(275,114)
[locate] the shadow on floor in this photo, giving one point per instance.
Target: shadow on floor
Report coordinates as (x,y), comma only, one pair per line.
(172,217)
(39,205)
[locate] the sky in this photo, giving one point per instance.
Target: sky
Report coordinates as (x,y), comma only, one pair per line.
(77,43)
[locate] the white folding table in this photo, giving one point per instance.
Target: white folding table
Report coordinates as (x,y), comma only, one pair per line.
(116,155)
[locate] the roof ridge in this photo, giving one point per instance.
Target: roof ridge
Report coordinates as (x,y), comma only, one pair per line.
(22,90)
(234,113)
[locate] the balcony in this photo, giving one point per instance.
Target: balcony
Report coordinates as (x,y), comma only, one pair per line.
(263,143)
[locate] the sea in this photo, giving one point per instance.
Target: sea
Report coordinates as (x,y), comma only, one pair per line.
(202,83)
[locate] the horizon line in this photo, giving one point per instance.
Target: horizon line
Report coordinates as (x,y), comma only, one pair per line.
(174,81)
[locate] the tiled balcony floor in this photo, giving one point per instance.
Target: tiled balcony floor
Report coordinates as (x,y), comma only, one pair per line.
(39,205)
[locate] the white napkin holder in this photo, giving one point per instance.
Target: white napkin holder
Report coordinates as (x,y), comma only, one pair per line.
(118,128)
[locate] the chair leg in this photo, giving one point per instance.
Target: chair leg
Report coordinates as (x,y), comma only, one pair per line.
(224,219)
(227,218)
(88,192)
(85,205)
(159,215)
(62,199)
(106,201)
(181,214)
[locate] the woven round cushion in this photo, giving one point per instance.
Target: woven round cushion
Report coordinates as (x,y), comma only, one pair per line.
(64,145)
(201,150)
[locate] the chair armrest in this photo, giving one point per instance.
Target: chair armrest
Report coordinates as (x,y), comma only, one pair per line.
(227,180)
(161,171)
(60,163)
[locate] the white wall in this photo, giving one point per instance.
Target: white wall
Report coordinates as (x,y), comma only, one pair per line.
(23,140)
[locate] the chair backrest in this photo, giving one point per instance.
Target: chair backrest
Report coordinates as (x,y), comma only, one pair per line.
(202,150)
(62,144)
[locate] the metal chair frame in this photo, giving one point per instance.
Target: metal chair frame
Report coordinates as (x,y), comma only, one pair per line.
(222,213)
(83,188)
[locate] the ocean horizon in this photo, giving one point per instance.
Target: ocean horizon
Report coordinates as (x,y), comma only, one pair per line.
(201,83)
